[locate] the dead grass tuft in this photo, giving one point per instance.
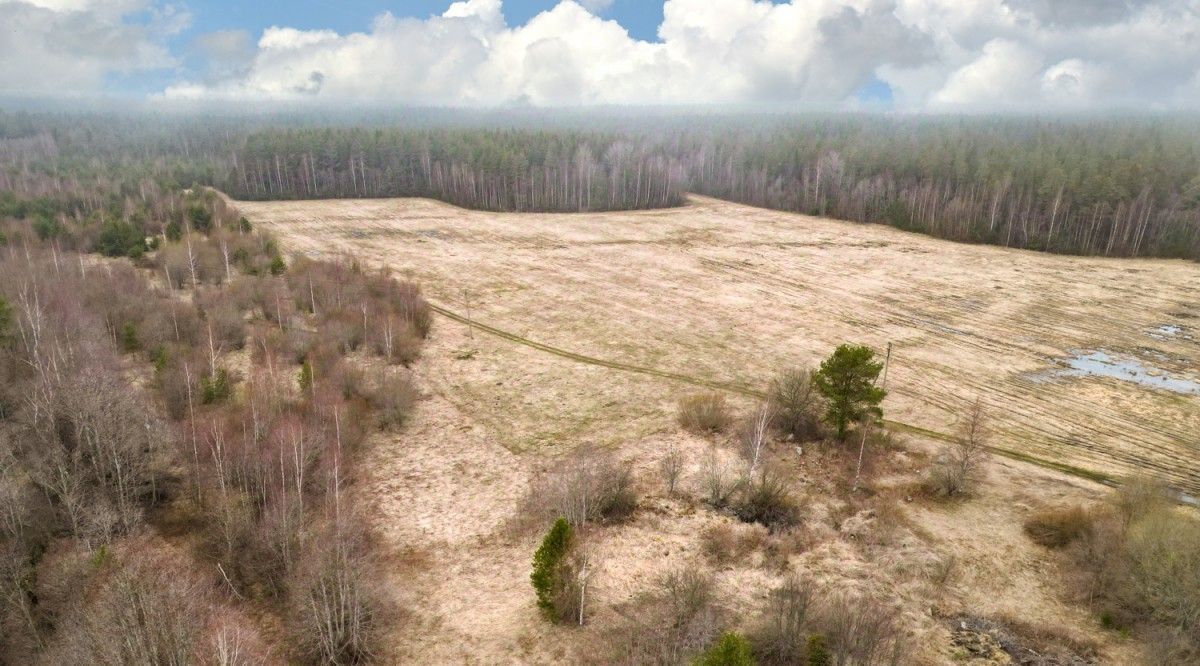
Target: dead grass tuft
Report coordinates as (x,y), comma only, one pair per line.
(1059,526)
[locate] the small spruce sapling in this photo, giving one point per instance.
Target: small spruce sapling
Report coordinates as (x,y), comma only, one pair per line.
(547,565)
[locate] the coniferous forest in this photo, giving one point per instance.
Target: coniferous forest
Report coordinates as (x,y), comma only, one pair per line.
(1078,185)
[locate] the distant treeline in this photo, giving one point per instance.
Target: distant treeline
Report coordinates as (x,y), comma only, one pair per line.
(485,169)
(1097,186)
(1101,187)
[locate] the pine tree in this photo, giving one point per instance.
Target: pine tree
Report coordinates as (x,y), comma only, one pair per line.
(547,564)
(847,380)
(129,337)
(731,649)
(818,653)
(215,387)
(306,376)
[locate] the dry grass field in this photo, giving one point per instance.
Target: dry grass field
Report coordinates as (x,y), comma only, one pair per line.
(728,294)
(731,294)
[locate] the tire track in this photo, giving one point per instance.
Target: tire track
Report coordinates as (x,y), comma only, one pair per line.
(742,389)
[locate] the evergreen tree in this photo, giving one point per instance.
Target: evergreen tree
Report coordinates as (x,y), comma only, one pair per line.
(215,387)
(6,322)
(306,376)
(731,649)
(818,652)
(847,380)
(547,565)
(129,337)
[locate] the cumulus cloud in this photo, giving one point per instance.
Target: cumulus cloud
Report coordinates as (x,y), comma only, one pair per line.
(933,54)
(72,46)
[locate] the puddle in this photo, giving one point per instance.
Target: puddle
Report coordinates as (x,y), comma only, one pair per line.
(1102,364)
(1169,332)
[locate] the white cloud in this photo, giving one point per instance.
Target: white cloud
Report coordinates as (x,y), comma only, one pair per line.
(66,47)
(935,54)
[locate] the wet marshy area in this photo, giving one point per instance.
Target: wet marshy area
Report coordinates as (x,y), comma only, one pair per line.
(1144,366)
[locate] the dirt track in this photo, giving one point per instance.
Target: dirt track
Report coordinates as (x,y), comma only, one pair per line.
(731,293)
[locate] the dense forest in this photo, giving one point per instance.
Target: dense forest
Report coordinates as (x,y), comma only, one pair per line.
(490,170)
(1111,187)
(1097,187)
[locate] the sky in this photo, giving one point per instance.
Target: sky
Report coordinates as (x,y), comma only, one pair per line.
(904,55)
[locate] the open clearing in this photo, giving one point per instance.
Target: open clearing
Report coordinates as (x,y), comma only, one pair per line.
(731,294)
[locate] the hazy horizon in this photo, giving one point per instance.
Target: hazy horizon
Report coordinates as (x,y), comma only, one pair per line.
(910,56)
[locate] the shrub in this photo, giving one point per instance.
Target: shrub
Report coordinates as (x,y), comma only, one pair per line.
(1139,497)
(587,485)
(395,340)
(670,623)
(723,543)
(224,325)
(344,328)
(548,570)
(797,405)
(147,612)
(960,464)
(860,630)
(191,261)
(1141,562)
(704,413)
(406,300)
(1058,527)
(392,397)
(731,649)
(6,321)
(1162,552)
(178,381)
(671,467)
(780,640)
(720,481)
(765,499)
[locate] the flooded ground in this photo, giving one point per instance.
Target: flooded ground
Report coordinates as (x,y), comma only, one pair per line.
(1101,363)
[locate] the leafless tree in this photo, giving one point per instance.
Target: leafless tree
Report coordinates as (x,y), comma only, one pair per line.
(721,482)
(960,464)
(754,435)
(671,467)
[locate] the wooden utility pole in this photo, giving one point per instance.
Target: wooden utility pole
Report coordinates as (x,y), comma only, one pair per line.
(866,423)
(886,361)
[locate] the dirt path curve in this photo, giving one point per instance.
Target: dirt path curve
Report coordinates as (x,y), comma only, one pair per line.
(747,391)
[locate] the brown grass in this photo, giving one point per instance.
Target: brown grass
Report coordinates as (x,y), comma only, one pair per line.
(1057,527)
(704,413)
(685,290)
